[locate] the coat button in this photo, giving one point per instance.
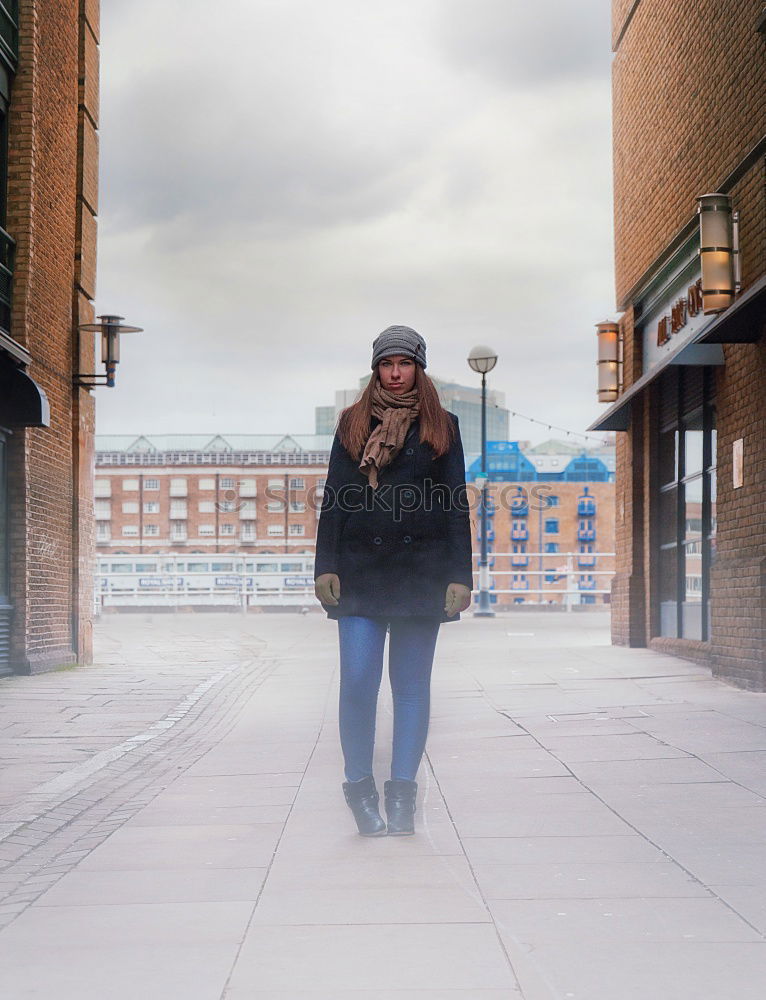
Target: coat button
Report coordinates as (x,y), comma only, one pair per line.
(407,539)
(378,540)
(410,451)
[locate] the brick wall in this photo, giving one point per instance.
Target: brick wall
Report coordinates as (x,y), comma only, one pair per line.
(84,415)
(49,476)
(689,101)
(628,586)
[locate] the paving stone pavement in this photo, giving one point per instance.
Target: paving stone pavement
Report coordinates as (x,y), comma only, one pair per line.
(591,824)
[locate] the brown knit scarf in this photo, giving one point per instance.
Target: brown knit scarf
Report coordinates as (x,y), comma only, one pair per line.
(396,411)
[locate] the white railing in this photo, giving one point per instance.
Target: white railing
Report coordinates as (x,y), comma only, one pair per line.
(188,589)
(566,567)
(244,588)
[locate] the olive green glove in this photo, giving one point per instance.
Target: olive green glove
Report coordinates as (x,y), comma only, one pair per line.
(458,598)
(327,588)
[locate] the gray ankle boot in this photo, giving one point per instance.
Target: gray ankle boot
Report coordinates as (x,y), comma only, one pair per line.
(362,798)
(400,806)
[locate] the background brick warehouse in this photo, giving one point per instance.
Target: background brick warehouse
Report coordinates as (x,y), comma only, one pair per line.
(689,119)
(52,193)
(183,494)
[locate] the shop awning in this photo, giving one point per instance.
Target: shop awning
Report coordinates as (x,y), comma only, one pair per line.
(23,402)
(742,323)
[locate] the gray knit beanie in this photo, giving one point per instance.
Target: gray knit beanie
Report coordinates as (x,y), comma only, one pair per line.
(399,340)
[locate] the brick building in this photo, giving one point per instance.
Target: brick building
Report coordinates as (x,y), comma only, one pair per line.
(550,522)
(203,493)
(689,94)
(546,538)
(48,203)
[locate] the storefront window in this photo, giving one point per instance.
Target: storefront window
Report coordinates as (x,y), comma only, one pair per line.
(711,482)
(685,507)
(692,557)
(3,523)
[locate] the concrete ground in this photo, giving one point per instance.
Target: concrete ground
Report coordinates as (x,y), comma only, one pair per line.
(591,825)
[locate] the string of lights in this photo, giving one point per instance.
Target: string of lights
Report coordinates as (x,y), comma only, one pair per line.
(554,427)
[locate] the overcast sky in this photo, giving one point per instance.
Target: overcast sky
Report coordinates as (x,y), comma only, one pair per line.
(282,179)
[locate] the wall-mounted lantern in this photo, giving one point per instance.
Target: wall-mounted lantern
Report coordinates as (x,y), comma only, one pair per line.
(719,251)
(609,361)
(110,329)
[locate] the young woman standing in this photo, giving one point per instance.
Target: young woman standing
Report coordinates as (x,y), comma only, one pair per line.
(393,554)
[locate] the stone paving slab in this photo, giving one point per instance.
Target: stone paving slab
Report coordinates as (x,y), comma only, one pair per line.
(605,970)
(390,956)
(587,880)
(590,823)
(629,920)
(83,887)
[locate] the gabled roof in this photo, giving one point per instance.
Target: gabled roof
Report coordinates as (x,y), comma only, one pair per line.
(216,442)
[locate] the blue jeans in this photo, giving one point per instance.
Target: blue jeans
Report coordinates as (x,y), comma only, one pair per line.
(412,642)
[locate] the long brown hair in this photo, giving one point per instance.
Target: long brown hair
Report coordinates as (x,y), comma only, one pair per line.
(436,427)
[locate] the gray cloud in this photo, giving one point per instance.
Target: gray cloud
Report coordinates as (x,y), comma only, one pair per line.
(284,180)
(524,44)
(299,119)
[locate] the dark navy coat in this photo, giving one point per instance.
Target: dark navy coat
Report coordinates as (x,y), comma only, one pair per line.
(396,548)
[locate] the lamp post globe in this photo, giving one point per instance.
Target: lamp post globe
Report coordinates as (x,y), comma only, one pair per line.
(482,359)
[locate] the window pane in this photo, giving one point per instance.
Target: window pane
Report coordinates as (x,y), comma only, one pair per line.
(667,527)
(692,553)
(693,444)
(711,542)
(693,570)
(3,521)
(693,502)
(668,592)
(691,620)
(668,457)
(691,609)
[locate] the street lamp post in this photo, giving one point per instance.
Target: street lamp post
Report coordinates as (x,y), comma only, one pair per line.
(483,359)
